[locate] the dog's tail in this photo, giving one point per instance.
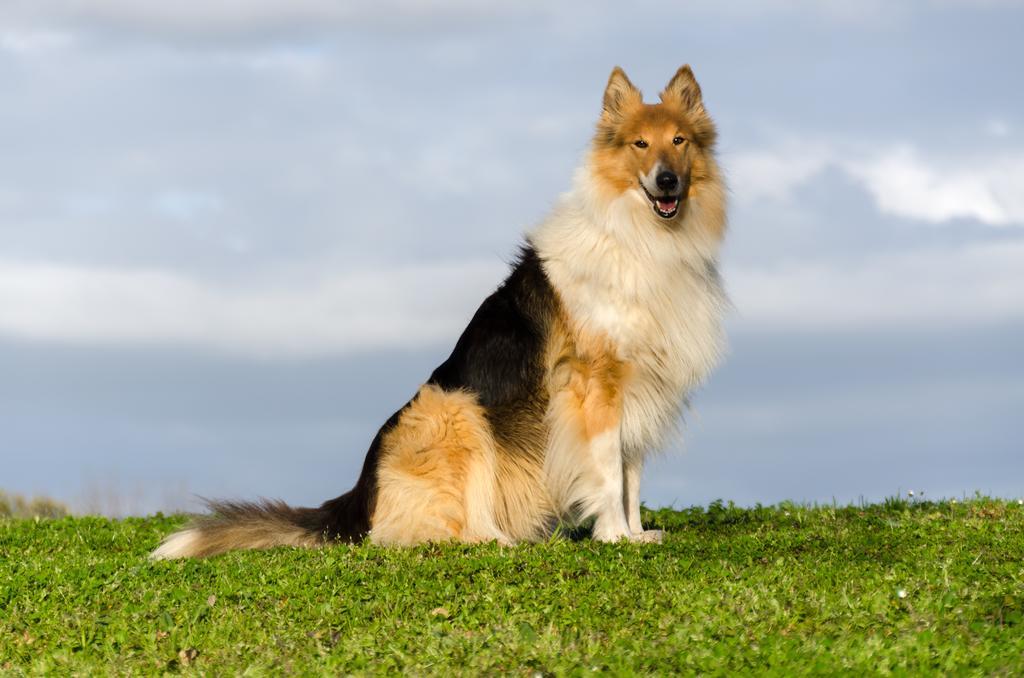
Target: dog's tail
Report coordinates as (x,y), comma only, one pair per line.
(244,525)
(265,524)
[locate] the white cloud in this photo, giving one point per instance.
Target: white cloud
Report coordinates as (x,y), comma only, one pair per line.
(399,308)
(903,181)
(775,173)
(990,190)
(980,283)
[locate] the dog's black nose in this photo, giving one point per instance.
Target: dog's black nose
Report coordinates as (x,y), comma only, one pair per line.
(667,181)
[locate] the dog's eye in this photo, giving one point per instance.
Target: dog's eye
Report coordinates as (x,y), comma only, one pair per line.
(640,143)
(678,140)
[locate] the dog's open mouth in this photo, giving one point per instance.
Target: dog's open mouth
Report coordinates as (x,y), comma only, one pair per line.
(665,206)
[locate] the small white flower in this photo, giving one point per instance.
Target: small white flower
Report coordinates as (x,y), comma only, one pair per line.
(952,501)
(1020,502)
(910,493)
(902,593)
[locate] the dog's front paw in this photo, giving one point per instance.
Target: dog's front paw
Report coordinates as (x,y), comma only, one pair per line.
(648,537)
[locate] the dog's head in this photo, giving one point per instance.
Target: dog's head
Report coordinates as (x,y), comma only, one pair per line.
(661,151)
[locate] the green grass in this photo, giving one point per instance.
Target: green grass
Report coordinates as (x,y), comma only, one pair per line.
(898,587)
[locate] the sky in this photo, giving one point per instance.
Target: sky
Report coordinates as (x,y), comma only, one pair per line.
(235,237)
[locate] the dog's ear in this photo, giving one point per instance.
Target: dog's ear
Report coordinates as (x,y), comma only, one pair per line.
(620,96)
(683,90)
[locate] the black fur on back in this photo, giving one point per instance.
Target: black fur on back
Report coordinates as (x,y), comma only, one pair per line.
(499,355)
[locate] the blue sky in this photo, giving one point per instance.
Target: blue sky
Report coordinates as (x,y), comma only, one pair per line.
(232,244)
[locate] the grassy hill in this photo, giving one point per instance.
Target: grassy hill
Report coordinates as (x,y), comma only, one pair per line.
(918,587)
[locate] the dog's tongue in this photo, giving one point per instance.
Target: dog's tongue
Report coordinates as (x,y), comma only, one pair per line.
(667,204)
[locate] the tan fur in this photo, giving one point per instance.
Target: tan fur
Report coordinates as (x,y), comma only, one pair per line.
(442,477)
(524,511)
(436,473)
(588,371)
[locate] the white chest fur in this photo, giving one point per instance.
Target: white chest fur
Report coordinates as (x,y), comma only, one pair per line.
(674,345)
(653,291)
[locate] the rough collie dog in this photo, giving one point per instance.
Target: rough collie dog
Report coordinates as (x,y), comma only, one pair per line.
(566,377)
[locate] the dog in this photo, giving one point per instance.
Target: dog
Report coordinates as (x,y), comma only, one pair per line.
(567,376)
